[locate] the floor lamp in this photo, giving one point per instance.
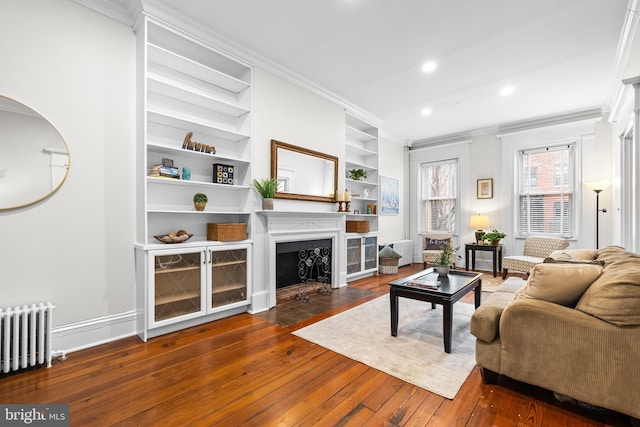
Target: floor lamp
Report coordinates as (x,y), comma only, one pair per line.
(598,187)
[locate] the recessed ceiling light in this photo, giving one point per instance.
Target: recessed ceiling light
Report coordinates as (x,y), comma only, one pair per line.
(426,111)
(429,66)
(506,90)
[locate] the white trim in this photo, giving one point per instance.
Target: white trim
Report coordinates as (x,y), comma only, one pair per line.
(92,332)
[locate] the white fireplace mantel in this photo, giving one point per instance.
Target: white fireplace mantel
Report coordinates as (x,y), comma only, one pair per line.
(292,226)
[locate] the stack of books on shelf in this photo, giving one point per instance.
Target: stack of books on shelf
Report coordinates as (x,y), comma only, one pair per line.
(164,172)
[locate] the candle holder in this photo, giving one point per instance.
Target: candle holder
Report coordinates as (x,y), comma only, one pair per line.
(340,206)
(347,207)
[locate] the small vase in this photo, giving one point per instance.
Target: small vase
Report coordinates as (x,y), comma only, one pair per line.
(200,205)
(495,242)
(442,270)
(267,204)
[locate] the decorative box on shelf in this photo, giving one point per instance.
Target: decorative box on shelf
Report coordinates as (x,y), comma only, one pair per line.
(223,174)
(357,226)
(226,232)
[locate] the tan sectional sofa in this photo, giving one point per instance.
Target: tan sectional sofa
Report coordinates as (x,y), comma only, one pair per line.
(573,327)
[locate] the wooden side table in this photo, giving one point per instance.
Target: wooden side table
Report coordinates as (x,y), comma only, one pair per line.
(473,247)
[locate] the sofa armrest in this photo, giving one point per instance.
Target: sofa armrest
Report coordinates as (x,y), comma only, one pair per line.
(570,352)
(485,321)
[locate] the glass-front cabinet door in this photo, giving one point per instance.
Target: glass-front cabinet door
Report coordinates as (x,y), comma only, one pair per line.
(354,255)
(177,291)
(229,273)
(371,253)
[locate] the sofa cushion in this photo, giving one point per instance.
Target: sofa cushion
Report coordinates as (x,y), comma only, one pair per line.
(435,244)
(615,296)
(560,283)
(571,254)
(610,254)
(485,321)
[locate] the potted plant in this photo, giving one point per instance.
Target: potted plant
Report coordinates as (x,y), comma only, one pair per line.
(443,262)
(200,201)
(494,237)
(267,190)
(357,174)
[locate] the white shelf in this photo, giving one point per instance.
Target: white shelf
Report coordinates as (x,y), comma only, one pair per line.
(175,61)
(173,151)
(173,181)
(181,92)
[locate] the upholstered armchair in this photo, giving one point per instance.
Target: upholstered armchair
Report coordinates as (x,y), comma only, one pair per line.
(536,249)
(432,246)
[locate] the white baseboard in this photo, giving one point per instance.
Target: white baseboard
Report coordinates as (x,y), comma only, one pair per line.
(92,332)
(259,302)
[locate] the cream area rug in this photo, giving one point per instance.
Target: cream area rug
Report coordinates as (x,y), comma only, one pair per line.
(416,355)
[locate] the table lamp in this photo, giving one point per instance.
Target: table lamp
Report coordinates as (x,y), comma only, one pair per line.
(598,187)
(479,222)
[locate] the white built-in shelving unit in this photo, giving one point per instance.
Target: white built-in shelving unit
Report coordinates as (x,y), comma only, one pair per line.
(361,140)
(187,85)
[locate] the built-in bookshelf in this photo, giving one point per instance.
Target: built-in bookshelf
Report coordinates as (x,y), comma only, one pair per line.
(194,136)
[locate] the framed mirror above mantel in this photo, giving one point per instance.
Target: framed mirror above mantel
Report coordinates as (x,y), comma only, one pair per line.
(303,174)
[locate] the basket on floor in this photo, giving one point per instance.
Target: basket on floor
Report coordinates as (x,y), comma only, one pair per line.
(388,266)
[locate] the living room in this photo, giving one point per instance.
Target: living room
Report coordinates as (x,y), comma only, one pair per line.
(77,67)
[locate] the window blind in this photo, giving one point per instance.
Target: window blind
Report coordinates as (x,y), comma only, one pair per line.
(546,191)
(439,196)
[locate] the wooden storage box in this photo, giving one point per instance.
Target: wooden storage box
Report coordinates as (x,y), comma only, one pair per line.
(226,232)
(357,226)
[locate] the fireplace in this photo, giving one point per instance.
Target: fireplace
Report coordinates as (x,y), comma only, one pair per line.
(302,232)
(303,262)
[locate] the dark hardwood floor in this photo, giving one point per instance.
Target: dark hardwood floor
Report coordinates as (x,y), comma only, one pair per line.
(247,370)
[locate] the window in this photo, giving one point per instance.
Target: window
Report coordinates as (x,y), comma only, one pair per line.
(439,196)
(547,206)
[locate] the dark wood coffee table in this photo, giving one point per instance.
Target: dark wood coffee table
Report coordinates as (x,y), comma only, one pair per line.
(452,288)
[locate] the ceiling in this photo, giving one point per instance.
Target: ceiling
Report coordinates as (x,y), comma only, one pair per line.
(560,57)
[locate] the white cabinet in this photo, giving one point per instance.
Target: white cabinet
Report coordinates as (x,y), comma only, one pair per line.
(194,117)
(187,286)
(362,255)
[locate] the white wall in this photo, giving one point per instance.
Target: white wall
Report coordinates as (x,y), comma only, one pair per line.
(288,113)
(76,68)
(459,151)
(392,160)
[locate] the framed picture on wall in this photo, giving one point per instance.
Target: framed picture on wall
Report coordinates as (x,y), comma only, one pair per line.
(389,196)
(485,188)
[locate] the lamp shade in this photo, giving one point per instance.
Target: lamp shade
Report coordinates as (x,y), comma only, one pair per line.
(598,186)
(479,221)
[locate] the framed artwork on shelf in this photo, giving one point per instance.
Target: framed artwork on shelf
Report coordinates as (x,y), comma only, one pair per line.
(389,196)
(485,188)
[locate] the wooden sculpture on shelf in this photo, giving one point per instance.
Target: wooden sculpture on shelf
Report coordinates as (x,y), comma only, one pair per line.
(188,144)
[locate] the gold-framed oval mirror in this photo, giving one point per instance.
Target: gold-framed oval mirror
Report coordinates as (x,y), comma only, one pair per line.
(34,157)
(303,174)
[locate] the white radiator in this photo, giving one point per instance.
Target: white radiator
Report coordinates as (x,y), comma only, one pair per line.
(404,248)
(25,336)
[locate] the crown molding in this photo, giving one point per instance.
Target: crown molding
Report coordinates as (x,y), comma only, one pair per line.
(620,91)
(124,11)
(594,114)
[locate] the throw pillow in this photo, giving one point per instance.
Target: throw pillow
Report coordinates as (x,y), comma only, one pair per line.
(559,283)
(615,296)
(435,244)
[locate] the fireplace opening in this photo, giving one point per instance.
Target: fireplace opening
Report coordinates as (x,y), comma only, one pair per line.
(303,261)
